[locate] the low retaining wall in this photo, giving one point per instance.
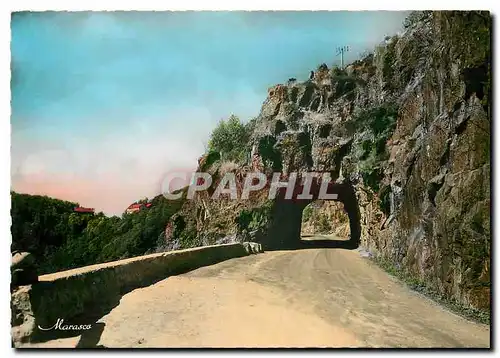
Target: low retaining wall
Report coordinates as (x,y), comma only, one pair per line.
(91,291)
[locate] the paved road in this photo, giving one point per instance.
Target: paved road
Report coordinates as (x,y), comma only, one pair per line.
(301,298)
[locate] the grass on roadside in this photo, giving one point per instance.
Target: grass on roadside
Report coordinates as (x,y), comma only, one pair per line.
(419,286)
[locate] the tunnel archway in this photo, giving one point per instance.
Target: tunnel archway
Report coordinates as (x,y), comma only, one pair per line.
(325,219)
(285,229)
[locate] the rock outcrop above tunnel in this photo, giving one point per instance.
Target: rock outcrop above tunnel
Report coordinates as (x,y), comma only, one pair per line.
(405,132)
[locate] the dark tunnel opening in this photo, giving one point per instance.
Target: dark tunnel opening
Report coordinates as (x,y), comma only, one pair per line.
(285,231)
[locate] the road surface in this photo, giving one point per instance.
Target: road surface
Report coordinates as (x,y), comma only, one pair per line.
(296,298)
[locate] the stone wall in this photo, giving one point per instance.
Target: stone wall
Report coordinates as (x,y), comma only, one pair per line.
(90,291)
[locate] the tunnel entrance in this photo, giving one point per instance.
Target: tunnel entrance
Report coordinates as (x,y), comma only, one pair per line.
(325,218)
(286,226)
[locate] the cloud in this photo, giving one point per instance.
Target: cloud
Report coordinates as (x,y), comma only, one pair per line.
(119,167)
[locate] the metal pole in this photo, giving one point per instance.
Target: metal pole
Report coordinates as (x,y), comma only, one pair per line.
(340,51)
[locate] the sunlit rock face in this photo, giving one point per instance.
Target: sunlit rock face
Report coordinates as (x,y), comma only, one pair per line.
(405,135)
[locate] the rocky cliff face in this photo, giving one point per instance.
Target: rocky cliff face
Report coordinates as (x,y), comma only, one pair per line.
(405,132)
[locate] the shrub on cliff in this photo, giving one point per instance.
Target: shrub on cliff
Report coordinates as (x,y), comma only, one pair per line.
(377,125)
(254,219)
(231,138)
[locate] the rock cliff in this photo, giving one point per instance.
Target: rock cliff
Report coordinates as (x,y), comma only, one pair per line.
(404,132)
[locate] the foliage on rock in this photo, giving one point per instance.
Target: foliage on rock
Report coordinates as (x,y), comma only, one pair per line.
(231,139)
(61,239)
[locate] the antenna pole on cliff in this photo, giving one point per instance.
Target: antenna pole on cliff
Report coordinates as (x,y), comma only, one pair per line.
(340,51)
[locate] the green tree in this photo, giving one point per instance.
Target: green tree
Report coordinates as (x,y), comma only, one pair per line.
(61,239)
(231,139)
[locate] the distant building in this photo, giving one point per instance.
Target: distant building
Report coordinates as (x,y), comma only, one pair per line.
(133,208)
(80,209)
